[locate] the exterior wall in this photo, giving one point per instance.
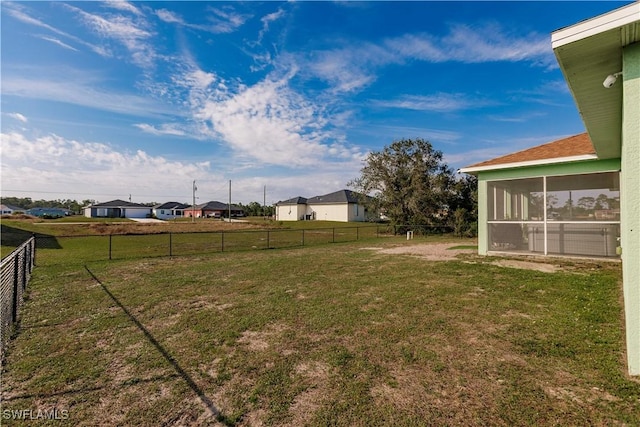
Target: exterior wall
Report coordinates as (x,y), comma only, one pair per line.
(339,212)
(630,202)
(168,214)
(290,212)
(591,166)
(189,213)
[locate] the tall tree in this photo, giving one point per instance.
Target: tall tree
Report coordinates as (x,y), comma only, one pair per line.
(409,182)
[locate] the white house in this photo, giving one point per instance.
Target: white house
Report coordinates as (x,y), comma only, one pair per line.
(291,210)
(169,210)
(117,209)
(343,205)
(8,209)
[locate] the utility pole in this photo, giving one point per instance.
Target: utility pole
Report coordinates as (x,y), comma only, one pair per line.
(193,207)
(229,201)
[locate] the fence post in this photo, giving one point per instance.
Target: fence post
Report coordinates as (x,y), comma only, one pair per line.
(33,250)
(357,233)
(110,235)
(16,266)
(222,249)
(25,260)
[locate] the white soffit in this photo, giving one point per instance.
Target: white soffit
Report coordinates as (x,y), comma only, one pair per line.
(609,21)
(587,53)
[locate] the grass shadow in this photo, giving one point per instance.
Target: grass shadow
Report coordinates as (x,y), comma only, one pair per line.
(14,237)
(206,401)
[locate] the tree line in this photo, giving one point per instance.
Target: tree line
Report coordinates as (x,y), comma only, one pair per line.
(26,203)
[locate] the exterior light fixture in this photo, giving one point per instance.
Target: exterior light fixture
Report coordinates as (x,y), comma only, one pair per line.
(611,80)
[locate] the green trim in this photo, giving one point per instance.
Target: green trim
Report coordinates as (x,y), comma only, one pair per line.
(575,168)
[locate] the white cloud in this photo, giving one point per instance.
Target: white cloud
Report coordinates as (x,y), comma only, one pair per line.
(169,17)
(78,89)
(267,20)
(164,129)
(269,122)
(18,117)
(91,168)
(19,13)
(133,35)
(225,19)
(59,43)
(441,102)
(356,64)
(463,43)
(123,5)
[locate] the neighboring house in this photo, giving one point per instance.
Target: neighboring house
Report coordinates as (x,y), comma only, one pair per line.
(49,212)
(293,209)
(169,210)
(8,209)
(213,209)
(117,209)
(516,209)
(343,205)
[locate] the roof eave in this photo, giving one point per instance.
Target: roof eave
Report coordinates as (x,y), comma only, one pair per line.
(587,53)
(474,170)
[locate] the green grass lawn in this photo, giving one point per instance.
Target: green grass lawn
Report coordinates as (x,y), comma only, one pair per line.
(333,334)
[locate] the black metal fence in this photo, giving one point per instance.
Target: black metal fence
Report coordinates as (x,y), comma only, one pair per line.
(124,246)
(15,272)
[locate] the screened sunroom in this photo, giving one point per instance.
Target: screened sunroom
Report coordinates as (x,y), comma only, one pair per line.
(564,215)
(554,199)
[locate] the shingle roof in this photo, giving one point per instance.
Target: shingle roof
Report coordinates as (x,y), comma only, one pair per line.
(119,204)
(171,205)
(573,146)
(216,206)
(342,196)
(5,207)
(293,201)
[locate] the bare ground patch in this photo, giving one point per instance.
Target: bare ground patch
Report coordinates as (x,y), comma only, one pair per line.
(429,251)
(528,265)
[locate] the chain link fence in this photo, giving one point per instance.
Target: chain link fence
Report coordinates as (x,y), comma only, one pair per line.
(15,272)
(128,246)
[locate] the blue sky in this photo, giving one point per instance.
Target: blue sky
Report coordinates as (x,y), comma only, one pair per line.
(102,100)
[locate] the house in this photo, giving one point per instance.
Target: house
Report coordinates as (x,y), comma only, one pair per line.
(291,210)
(343,205)
(213,209)
(548,200)
(8,209)
(117,209)
(49,212)
(169,210)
